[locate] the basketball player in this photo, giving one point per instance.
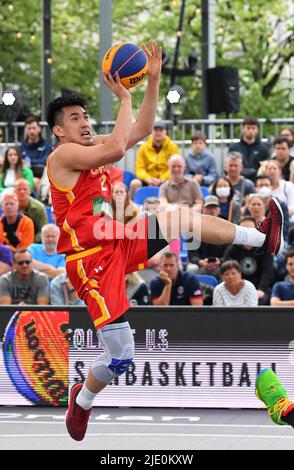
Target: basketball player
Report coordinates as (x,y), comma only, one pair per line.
(100,251)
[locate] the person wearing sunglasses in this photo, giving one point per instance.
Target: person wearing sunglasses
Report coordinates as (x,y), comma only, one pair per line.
(23,285)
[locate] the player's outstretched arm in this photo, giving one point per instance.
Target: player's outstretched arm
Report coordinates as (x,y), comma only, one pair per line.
(147,112)
(80,157)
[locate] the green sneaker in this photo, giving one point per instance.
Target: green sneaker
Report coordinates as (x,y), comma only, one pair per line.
(271,392)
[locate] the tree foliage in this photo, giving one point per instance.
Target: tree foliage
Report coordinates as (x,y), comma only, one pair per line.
(256,36)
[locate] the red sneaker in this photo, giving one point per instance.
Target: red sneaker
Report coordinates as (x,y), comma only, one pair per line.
(272,227)
(76,417)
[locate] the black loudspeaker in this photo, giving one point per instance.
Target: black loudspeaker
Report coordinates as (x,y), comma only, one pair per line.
(223,90)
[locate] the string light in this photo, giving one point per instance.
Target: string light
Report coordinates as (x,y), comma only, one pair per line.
(220,30)
(49,60)
(64,36)
(19,35)
(179,34)
(270,39)
(174,3)
(33,37)
(10,7)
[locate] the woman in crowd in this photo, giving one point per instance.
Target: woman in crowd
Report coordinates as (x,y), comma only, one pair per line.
(281,189)
(256,207)
(230,209)
(13,169)
(123,208)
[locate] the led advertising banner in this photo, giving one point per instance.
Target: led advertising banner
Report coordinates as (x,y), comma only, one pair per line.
(185,357)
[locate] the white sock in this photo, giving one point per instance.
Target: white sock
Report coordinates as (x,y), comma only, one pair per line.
(248,236)
(85,398)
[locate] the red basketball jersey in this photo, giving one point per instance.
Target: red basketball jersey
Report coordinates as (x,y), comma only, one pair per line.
(80,208)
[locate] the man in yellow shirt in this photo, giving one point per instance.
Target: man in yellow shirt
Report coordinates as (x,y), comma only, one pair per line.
(151,166)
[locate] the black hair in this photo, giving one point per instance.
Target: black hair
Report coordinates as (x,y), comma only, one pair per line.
(263,177)
(230,264)
(290,254)
(55,107)
(281,140)
(20,251)
(232,191)
(250,121)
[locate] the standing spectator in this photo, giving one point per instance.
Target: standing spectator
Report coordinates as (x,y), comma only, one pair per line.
(233,168)
(137,290)
(283,291)
(200,162)
(16,229)
(251,148)
(123,208)
(234,291)
(281,189)
(6,259)
(179,189)
(173,286)
(257,269)
(230,209)
(13,169)
(35,148)
(23,285)
(283,157)
(45,256)
(288,132)
(63,293)
(31,207)
(152,159)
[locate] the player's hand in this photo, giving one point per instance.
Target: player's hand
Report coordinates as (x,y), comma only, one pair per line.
(154,55)
(115,85)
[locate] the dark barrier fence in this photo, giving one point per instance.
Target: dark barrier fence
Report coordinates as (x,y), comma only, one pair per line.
(185,357)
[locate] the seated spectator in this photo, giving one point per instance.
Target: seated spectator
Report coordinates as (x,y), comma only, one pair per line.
(63,293)
(13,169)
(255,207)
(35,148)
(206,250)
(288,132)
(173,286)
(280,270)
(233,168)
(263,185)
(31,207)
(6,259)
(152,159)
(209,265)
(137,290)
(281,189)
(16,229)
(230,209)
(251,148)
(179,189)
(283,291)
(200,163)
(23,285)
(45,256)
(283,157)
(256,268)
(123,208)
(234,291)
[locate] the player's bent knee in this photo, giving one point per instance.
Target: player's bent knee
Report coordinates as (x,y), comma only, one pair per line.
(118,343)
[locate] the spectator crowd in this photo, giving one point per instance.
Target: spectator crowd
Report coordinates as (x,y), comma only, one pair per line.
(32,272)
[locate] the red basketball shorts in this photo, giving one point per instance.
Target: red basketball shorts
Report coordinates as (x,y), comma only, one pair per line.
(98,274)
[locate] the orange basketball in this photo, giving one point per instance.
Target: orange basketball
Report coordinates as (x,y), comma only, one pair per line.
(129,61)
